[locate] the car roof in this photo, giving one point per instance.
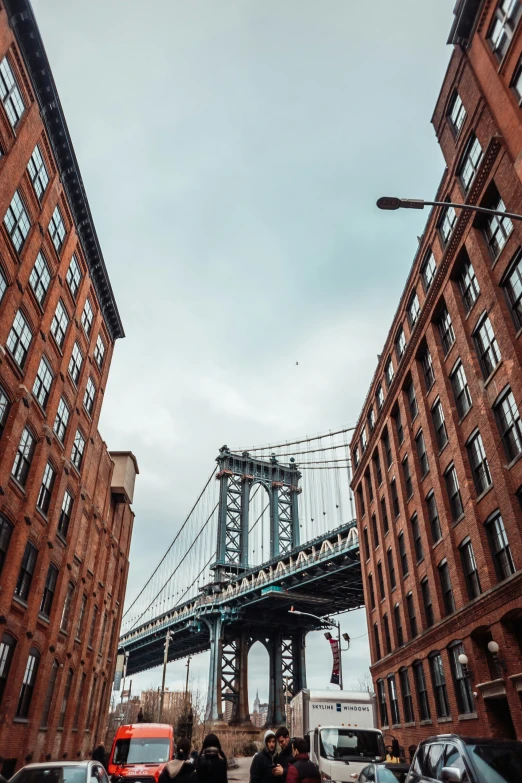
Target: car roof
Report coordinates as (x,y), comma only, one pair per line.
(468,740)
(144,730)
(45,764)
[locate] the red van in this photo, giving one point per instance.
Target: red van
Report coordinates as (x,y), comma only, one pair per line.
(140,750)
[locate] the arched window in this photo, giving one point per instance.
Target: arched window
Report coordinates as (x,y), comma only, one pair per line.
(7,646)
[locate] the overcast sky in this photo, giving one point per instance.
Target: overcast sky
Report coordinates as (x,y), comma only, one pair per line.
(232,152)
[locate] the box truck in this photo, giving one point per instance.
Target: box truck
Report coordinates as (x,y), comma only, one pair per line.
(340,727)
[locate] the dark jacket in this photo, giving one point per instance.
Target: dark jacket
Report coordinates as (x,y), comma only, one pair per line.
(212,766)
(284,757)
(302,770)
(261,767)
(180,770)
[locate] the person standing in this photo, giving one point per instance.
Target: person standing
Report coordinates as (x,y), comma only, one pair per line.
(301,769)
(99,755)
(264,767)
(284,757)
(212,762)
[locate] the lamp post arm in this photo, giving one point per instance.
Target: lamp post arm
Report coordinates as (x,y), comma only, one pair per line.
(389,203)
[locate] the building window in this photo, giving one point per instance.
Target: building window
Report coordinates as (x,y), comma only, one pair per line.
(57,229)
(6,529)
(470,162)
(77,450)
(371,419)
(17,221)
(26,693)
(447,222)
(43,382)
(378,471)
(395,499)
(49,589)
(394,701)
(383,710)
(62,419)
(497,229)
(23,457)
(387,637)
(389,372)
(469,287)
(516,82)
(513,287)
(460,388)
(447,335)
(81,617)
(38,173)
(453,490)
(363,441)
(428,270)
(426,601)
(422,454)
(75,364)
(362,507)
(427,368)
(403,554)
(486,346)
(508,422)
(412,619)
(439,685)
(398,426)
(439,424)
(377,642)
(59,324)
(499,544)
(398,625)
(479,463)
(65,699)
(65,514)
(88,398)
(74,276)
(391,568)
(40,278)
(380,579)
(371,591)
(19,339)
(102,635)
(44,496)
(387,447)
(469,565)
(49,694)
(456,113)
(10,94)
(66,612)
(92,629)
(422,691)
(412,401)
(384,514)
(25,575)
(400,344)
(3,284)
(356,456)
(99,352)
(433,516)
(505,20)
(407,477)
(413,310)
(87,317)
(366,544)
(375,531)
(445,585)
(4,409)
(465,702)
(417,540)
(407,701)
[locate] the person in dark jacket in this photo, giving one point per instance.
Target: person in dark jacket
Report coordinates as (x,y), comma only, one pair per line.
(180,770)
(302,770)
(264,767)
(99,755)
(212,762)
(284,757)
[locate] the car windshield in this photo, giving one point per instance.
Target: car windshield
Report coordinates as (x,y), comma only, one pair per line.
(498,763)
(346,744)
(68,774)
(143,750)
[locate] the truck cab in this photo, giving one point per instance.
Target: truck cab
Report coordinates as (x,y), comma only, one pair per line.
(341,752)
(140,751)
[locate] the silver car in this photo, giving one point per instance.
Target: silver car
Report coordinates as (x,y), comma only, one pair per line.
(62,772)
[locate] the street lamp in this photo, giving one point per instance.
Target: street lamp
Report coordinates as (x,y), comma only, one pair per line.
(168,637)
(392,203)
(332,624)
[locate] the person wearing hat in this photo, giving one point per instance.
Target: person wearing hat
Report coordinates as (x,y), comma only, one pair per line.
(264,768)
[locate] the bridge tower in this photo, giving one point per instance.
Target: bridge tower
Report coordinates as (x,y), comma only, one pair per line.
(237,474)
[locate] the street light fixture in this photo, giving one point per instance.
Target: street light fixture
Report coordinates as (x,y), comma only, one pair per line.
(392,203)
(168,637)
(333,624)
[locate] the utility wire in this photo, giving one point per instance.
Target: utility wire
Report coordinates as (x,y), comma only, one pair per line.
(295,442)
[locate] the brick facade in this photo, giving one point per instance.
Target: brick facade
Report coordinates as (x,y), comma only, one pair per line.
(81,558)
(470,560)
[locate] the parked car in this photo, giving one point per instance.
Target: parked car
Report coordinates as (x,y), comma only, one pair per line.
(455,759)
(383,773)
(62,772)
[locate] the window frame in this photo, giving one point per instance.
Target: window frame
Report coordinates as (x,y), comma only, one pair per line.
(502,557)
(448,597)
(513,290)
(46,488)
(458,374)
(412,617)
(13,96)
(510,432)
(447,334)
(438,679)
(77,452)
(400,343)
(439,424)
(40,278)
(461,683)
(427,602)
(43,382)
(407,700)
(51,580)
(62,423)
(26,572)
(478,462)
(58,232)
(60,324)
(421,689)
(17,221)
(485,349)
(35,166)
(422,454)
(469,163)
(408,482)
(469,568)
(446,223)
(413,312)
(17,342)
(453,492)
(417,537)
(28,683)
(468,285)
(456,123)
(507,25)
(24,456)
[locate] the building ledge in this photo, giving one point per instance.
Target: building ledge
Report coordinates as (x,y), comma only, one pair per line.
(516,679)
(492,689)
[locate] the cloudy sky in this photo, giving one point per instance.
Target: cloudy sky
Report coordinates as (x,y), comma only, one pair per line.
(232,152)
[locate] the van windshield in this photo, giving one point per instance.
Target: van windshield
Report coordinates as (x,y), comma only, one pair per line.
(351,744)
(142,750)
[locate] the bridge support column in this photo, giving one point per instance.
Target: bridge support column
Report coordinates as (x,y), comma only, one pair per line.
(214,705)
(299,662)
(275,714)
(241,713)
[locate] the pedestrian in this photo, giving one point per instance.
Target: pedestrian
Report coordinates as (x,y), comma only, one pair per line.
(140,716)
(264,765)
(284,757)
(301,769)
(212,762)
(179,768)
(99,755)
(390,757)
(411,750)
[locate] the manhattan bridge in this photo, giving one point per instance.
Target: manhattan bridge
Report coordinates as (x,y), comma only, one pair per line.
(273,528)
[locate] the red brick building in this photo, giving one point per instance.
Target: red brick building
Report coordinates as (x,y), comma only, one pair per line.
(65,517)
(436,452)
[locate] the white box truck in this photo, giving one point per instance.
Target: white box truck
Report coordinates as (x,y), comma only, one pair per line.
(340,726)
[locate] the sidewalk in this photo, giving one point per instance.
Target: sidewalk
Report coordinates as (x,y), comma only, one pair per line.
(242,773)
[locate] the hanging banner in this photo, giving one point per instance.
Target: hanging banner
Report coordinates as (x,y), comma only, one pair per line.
(118,674)
(334,644)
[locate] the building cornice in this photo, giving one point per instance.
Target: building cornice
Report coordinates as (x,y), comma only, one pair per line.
(467,13)
(23,23)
